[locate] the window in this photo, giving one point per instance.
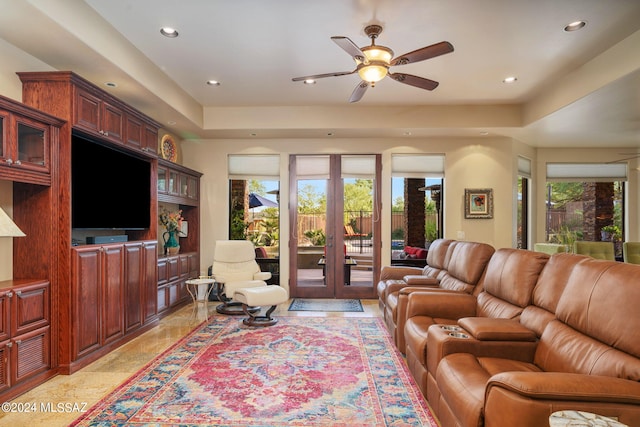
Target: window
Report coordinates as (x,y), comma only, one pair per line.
(254,197)
(582,199)
(524,178)
(416,200)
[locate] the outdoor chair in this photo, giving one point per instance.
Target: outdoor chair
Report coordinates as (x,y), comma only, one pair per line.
(597,250)
(631,252)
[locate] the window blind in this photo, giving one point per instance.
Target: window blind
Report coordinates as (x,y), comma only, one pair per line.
(254,166)
(595,172)
(417,165)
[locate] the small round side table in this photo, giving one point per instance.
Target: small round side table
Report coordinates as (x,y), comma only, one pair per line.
(581,419)
(198,294)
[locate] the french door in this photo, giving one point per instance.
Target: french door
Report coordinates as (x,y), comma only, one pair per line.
(335,225)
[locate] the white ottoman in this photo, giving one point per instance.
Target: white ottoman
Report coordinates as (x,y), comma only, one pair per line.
(265,295)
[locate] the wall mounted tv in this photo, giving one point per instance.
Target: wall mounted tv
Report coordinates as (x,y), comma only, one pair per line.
(110,189)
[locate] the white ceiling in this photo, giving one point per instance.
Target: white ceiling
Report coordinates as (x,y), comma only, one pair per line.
(573,89)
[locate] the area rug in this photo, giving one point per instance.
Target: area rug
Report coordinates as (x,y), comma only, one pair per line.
(344,305)
(311,371)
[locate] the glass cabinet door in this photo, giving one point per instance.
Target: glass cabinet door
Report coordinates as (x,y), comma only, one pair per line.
(183,185)
(192,188)
(162,180)
(31,145)
(173,182)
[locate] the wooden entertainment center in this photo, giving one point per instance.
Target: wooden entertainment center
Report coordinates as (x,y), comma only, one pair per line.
(85,299)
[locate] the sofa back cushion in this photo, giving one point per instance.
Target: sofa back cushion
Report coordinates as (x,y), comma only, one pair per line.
(596,330)
(602,299)
(547,291)
(466,263)
(437,254)
(509,282)
(437,258)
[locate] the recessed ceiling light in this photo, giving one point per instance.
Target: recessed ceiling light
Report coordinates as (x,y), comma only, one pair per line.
(309,82)
(171,122)
(510,79)
(407,133)
(169,32)
(484,133)
(575,26)
(110,84)
(213,83)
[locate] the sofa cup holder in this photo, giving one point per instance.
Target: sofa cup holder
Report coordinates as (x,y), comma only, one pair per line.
(451,328)
(458,335)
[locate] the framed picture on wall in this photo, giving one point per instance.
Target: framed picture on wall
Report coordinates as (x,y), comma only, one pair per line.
(478,203)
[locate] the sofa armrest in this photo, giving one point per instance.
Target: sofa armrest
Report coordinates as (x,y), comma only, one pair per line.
(494,329)
(420,280)
(263,275)
(446,305)
(566,387)
(526,399)
(397,272)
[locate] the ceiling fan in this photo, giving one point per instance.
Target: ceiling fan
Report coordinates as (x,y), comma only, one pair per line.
(373,62)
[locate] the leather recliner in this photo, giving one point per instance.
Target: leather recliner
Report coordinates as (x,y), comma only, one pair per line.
(464,273)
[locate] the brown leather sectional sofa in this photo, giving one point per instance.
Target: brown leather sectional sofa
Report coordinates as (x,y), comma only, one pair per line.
(545,333)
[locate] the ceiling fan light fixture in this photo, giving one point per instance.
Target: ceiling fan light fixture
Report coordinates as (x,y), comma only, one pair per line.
(377,53)
(373,73)
(376,63)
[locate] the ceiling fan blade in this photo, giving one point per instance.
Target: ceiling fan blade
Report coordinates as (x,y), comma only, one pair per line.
(359,91)
(321,76)
(416,81)
(423,53)
(348,46)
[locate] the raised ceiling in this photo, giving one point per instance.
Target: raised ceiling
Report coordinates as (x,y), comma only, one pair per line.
(574,88)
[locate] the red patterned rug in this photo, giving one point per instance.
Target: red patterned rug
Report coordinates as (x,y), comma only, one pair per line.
(311,371)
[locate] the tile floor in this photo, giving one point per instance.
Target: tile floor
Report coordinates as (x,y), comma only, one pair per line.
(58,401)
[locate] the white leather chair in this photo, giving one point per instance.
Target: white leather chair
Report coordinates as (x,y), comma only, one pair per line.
(235,267)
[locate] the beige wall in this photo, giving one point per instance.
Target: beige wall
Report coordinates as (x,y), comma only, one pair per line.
(470,163)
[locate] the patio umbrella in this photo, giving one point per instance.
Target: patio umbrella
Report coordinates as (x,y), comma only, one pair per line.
(256,200)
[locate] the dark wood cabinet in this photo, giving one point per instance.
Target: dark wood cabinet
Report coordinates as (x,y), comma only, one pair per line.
(27,137)
(94,114)
(112,284)
(173,272)
(25,335)
(101,296)
(177,184)
(97,273)
(140,283)
(150,139)
(92,287)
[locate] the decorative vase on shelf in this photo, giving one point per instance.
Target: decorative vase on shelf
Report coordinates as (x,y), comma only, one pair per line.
(171,245)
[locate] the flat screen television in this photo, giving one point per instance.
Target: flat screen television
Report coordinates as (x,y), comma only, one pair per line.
(110,190)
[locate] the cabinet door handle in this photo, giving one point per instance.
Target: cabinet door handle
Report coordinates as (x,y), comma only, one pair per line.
(9,162)
(9,294)
(18,293)
(9,344)
(18,162)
